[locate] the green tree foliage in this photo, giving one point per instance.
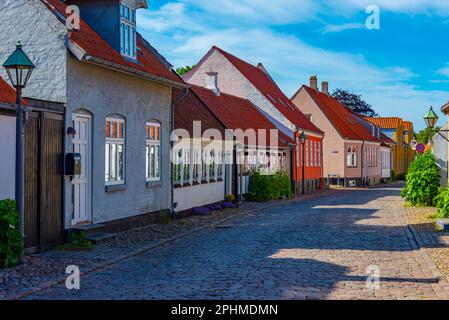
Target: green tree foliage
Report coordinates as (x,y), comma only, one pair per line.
(10,237)
(442,203)
(181,71)
(269,187)
(354,102)
(422,180)
(424,136)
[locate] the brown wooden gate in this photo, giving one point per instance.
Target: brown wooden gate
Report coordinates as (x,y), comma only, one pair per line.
(44,145)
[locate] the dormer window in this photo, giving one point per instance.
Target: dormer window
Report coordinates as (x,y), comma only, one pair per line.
(128,47)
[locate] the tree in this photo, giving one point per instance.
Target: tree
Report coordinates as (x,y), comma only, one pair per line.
(424,136)
(183,70)
(354,102)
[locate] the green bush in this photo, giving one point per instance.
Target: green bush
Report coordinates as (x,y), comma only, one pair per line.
(393,176)
(422,181)
(441,201)
(10,237)
(269,187)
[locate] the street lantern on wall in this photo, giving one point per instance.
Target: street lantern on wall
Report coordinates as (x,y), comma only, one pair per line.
(431,118)
(19,68)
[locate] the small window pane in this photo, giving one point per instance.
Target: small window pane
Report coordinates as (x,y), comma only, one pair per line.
(120,162)
(114,130)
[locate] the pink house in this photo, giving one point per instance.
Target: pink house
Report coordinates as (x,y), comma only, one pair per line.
(352,154)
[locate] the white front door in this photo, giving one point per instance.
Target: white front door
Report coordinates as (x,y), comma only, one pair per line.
(82,184)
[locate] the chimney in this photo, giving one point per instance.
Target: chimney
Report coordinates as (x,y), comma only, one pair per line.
(314,82)
(325,87)
(261,67)
(212,82)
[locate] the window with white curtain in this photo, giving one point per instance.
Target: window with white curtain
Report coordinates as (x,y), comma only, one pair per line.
(115,150)
(153,151)
(307,153)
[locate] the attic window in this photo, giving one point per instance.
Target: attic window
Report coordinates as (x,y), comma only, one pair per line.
(128,41)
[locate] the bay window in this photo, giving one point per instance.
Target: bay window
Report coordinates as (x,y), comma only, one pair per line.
(153,151)
(115,150)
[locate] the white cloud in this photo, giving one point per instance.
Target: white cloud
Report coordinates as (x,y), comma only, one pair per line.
(184,31)
(331,28)
(444,71)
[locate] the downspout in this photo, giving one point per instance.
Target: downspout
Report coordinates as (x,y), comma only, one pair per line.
(172,128)
(292,160)
(362,161)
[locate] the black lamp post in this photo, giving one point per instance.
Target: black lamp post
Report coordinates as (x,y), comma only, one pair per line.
(19,68)
(303,139)
(431,119)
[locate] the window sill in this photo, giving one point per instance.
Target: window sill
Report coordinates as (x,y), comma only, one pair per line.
(196,183)
(219,180)
(177,186)
(116,187)
(204,181)
(154,184)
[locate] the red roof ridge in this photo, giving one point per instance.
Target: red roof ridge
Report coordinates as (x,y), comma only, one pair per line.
(344,121)
(150,64)
(270,89)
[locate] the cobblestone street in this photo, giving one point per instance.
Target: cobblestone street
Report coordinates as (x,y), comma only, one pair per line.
(314,249)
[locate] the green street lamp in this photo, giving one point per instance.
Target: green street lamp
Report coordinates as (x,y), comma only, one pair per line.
(431,118)
(303,139)
(19,68)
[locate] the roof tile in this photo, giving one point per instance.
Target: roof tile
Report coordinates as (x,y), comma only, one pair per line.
(238,113)
(342,119)
(266,85)
(94,45)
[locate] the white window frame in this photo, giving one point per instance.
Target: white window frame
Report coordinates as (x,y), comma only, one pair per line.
(156,144)
(351,156)
(128,35)
(307,153)
(319,154)
(117,141)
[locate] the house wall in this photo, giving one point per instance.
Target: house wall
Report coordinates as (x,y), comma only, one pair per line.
(334,153)
(102,92)
(8,156)
(440,150)
(231,81)
(385,162)
(199,195)
(42,36)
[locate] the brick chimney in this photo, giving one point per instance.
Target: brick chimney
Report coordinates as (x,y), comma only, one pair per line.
(314,82)
(325,87)
(212,82)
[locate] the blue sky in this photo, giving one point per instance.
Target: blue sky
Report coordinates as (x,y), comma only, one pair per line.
(401,69)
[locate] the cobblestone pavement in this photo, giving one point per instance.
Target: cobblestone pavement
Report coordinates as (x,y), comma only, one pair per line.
(435,242)
(314,249)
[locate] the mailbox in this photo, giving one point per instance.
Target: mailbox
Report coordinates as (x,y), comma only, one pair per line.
(72,164)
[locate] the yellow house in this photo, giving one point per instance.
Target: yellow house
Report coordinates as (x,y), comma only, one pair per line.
(402,133)
(409,135)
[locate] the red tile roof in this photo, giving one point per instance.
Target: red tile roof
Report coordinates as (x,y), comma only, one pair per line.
(191,109)
(408,125)
(344,121)
(266,85)
(96,46)
(385,139)
(8,93)
(386,123)
(237,113)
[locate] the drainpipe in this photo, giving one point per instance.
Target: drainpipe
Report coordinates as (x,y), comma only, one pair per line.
(292,160)
(362,152)
(172,128)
